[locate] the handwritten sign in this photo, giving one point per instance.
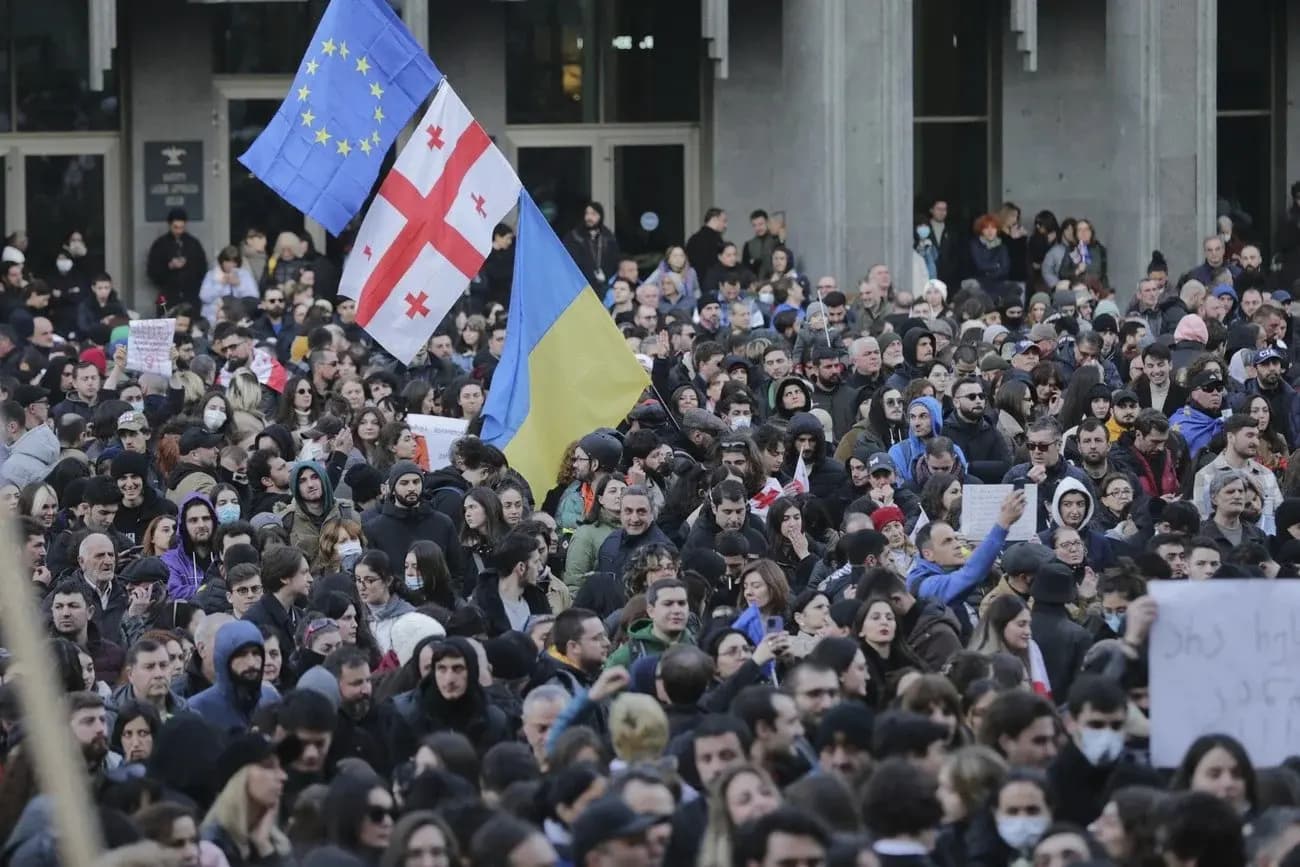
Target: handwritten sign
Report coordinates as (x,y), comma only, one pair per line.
(980,505)
(149,346)
(1225,658)
(438,434)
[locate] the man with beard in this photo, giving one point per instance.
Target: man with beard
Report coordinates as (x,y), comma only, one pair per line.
(70,607)
(286,581)
(1094,458)
(829,391)
(310,717)
(726,510)
(873,297)
(268,481)
(200,672)
(594,248)
(89,721)
(1201,418)
(197,470)
(1215,258)
(140,503)
(1046,466)
(596,453)
(1242,433)
(1283,401)
(314,504)
(450,698)
(360,731)
(229,704)
(987,451)
(405,518)
(188,562)
(580,646)
(918,350)
(1144,453)
(148,681)
(805,437)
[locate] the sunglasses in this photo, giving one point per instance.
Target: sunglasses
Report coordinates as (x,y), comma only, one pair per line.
(1212,388)
(378,814)
(1038,447)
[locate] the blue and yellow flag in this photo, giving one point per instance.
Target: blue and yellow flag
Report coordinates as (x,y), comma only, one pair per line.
(565,370)
(362,78)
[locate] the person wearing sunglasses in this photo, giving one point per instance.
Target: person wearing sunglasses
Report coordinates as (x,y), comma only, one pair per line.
(987,450)
(1201,418)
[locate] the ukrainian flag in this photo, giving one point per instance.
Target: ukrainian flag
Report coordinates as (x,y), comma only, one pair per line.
(566,369)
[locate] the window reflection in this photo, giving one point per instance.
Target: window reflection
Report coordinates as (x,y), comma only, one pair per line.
(263,38)
(46,66)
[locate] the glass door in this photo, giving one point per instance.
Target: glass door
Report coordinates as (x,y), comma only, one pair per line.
(52,186)
(245,105)
(647,178)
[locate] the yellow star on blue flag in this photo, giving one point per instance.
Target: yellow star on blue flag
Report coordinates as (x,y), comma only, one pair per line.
(341,94)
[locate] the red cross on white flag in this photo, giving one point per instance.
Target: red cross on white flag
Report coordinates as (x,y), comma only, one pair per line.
(430,227)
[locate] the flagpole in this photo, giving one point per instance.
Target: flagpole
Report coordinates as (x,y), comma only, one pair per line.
(821,299)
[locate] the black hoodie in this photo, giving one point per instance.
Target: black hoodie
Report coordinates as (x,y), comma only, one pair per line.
(827,479)
(910,369)
(423,710)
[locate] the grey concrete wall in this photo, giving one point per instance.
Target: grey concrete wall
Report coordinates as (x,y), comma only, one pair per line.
(749,121)
(468,42)
(1056,130)
(847,153)
(1291,108)
(169,97)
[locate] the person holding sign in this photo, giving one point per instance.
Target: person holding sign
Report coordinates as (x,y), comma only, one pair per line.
(944,572)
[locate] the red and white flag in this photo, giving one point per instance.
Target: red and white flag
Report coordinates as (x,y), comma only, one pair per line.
(429,229)
(265,366)
(800,480)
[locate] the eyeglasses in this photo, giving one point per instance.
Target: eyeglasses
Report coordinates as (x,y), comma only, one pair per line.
(248,590)
(1038,447)
(1071,544)
(303,391)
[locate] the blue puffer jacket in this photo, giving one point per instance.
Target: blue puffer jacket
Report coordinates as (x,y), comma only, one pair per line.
(222,705)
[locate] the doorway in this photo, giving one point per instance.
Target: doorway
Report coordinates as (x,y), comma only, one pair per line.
(53,185)
(647,178)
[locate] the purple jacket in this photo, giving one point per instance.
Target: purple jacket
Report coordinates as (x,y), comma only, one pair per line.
(185,571)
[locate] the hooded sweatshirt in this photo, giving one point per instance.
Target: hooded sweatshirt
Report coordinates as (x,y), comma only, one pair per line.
(1100,552)
(827,479)
(905,454)
(185,570)
(425,711)
(303,526)
(230,703)
(910,369)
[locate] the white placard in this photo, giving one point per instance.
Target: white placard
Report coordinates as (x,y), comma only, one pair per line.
(1225,658)
(980,505)
(149,346)
(438,434)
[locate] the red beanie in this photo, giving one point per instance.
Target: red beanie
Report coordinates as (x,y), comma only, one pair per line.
(96,356)
(886,515)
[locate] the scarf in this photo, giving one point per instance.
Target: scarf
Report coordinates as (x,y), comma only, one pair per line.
(1168,483)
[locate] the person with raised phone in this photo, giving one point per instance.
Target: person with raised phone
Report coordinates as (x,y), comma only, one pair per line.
(943,572)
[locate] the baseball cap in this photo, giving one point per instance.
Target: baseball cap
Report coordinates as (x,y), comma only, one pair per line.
(1023,346)
(132,421)
(1205,379)
(1123,395)
(26,395)
(326,426)
(197,438)
(604,820)
(880,461)
(702,419)
(1280,296)
(1268,353)
(650,413)
(1043,331)
(1224,289)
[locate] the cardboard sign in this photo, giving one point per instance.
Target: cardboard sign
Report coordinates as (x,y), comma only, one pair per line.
(1225,658)
(437,434)
(149,346)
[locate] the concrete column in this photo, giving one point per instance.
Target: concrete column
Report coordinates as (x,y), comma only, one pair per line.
(846,112)
(1161,73)
(1291,116)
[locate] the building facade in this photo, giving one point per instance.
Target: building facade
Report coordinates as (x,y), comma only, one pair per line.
(1150,117)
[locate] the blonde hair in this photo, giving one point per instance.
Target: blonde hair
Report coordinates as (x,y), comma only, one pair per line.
(638,728)
(192,385)
(975,773)
(230,812)
(716,845)
(244,391)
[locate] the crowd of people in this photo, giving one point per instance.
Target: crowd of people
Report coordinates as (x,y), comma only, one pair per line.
(743,627)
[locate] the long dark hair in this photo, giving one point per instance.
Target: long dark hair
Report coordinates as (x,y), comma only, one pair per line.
(284,413)
(1182,779)
(435,577)
(932,497)
(886,432)
(1077,400)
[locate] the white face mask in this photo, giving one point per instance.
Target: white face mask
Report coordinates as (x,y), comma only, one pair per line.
(63,265)
(213,419)
(1021,832)
(1101,746)
(350,547)
(137,405)
(414,582)
(766,297)
(740,422)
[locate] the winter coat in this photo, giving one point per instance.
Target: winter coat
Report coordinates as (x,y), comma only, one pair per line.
(991,263)
(396,528)
(618,548)
(220,705)
(304,527)
(271,613)
(132,522)
(423,711)
(181,284)
(185,570)
(642,641)
(487,596)
(1101,553)
(214,288)
(381,620)
(928,580)
(584,548)
(32,457)
(987,451)
(189,478)
(826,476)
(1063,643)
(933,632)
(1019,477)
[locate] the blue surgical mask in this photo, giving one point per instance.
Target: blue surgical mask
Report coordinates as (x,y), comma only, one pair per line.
(922,232)
(1115,622)
(349,554)
(414,582)
(228,514)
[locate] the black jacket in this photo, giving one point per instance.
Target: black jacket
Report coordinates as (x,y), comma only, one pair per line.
(268,611)
(1064,644)
(396,528)
(183,283)
(592,253)
(702,249)
(988,454)
(487,596)
(132,522)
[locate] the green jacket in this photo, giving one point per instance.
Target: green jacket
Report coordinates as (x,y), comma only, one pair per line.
(583,548)
(642,641)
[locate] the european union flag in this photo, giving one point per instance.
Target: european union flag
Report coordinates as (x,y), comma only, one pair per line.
(362,78)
